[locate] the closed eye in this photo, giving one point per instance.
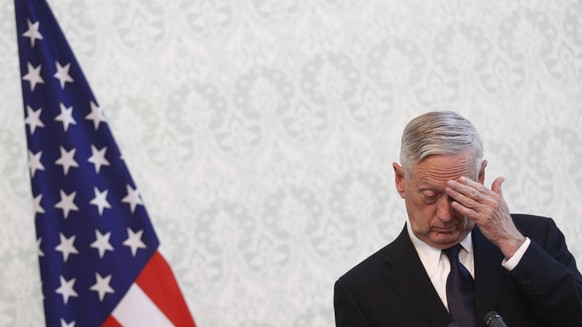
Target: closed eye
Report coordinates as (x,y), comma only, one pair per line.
(430,197)
(430,200)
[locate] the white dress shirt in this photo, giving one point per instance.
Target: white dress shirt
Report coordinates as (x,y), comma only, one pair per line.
(437,264)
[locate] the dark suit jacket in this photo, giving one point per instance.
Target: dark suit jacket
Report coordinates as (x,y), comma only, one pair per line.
(391,287)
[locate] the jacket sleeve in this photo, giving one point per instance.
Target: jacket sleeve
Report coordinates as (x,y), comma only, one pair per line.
(347,311)
(550,279)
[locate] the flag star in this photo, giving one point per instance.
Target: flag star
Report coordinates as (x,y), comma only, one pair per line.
(62,74)
(36,204)
(66,289)
(38,248)
(66,246)
(98,158)
(132,198)
(33,119)
(102,243)
(66,117)
(101,286)
(96,115)
(67,203)
(33,76)
(32,32)
(134,241)
(100,200)
(65,324)
(67,160)
(34,162)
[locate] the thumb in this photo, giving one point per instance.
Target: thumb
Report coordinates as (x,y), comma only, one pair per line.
(496,186)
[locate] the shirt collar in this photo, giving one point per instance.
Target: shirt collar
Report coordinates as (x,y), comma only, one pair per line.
(431,256)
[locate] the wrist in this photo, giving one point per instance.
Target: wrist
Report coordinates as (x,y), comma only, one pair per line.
(510,246)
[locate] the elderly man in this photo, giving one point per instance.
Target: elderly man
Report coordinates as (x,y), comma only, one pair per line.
(461,254)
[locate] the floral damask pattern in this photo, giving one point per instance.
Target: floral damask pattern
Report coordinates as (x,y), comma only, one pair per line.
(261,133)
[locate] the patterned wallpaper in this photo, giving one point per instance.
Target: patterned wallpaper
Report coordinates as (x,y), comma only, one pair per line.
(261,133)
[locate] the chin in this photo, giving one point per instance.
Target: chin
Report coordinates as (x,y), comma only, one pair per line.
(447,241)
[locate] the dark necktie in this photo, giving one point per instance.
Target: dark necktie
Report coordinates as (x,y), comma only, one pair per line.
(460,292)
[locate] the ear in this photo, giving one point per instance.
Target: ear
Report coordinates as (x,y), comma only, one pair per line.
(399,178)
(481,177)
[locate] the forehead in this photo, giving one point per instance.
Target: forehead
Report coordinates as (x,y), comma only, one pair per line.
(438,169)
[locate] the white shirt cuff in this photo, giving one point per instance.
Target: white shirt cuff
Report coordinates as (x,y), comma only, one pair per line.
(513,261)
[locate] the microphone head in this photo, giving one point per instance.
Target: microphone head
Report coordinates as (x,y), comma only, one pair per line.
(493,319)
(453,324)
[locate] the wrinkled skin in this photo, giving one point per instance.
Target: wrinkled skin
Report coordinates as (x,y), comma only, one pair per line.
(445,197)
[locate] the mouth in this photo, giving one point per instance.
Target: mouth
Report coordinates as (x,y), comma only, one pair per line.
(447,229)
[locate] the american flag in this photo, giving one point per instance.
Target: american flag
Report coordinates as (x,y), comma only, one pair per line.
(98,252)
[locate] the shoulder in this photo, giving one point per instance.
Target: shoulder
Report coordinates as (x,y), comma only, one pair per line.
(525,219)
(368,266)
(373,266)
(539,229)
(532,222)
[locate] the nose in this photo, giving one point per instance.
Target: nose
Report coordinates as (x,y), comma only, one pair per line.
(444,208)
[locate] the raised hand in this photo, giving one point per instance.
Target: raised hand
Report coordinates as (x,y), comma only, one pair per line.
(487,208)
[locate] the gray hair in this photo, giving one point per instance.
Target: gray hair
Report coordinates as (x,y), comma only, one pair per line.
(439,132)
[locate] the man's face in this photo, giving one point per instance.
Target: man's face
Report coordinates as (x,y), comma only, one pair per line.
(430,214)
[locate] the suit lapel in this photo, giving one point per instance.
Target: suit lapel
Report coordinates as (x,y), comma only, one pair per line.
(407,277)
(489,275)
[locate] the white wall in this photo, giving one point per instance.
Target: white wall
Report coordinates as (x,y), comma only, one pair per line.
(262,132)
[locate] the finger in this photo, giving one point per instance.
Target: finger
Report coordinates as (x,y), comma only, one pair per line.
(468,188)
(496,186)
(462,194)
(474,184)
(465,211)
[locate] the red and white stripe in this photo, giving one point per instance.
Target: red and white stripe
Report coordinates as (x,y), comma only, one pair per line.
(153,300)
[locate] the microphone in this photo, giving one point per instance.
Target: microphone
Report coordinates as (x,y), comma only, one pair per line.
(493,319)
(453,324)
